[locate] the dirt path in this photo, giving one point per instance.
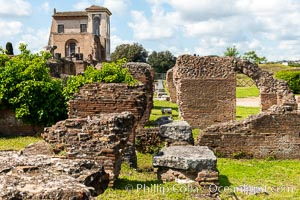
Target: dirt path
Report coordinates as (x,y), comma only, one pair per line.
(249,102)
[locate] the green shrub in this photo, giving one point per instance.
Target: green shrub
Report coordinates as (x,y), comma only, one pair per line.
(113,72)
(28,89)
(292,78)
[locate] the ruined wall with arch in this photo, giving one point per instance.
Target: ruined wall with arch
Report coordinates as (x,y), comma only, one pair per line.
(205,88)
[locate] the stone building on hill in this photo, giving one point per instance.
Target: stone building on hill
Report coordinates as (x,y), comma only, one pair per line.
(81,35)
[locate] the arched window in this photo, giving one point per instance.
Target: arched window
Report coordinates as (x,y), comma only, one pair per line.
(71,48)
(96,25)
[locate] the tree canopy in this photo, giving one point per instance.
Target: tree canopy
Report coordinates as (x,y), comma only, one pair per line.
(132,52)
(9,48)
(161,61)
(232,52)
(253,57)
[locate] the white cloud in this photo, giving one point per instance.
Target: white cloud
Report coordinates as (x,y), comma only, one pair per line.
(10,28)
(160,25)
(116,41)
(36,39)
(81,5)
(45,7)
(271,28)
(15,8)
(116,6)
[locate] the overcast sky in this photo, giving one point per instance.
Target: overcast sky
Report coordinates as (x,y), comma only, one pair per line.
(204,27)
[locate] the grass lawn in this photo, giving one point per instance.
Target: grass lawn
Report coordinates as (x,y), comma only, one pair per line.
(243,92)
(279,177)
(17,143)
(243,112)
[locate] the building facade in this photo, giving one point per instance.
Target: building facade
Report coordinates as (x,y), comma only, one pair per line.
(84,35)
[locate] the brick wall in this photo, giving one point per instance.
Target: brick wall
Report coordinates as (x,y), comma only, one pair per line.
(273,133)
(10,126)
(99,98)
(145,74)
(99,137)
(171,86)
(205,89)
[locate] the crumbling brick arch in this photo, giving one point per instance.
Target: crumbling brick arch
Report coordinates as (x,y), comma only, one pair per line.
(206,86)
(272,91)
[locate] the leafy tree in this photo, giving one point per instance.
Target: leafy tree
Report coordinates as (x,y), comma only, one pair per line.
(232,52)
(161,61)
(132,52)
(27,88)
(9,48)
(113,72)
(252,57)
(292,78)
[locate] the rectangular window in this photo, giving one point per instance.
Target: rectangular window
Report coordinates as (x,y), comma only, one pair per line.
(83,28)
(60,28)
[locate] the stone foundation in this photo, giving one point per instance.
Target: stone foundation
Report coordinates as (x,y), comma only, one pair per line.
(187,164)
(11,126)
(271,134)
(101,138)
(43,177)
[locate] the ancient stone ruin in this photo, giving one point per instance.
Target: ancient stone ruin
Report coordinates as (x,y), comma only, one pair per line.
(187,164)
(206,88)
(102,98)
(38,177)
(100,138)
(171,86)
(177,133)
(145,74)
(274,133)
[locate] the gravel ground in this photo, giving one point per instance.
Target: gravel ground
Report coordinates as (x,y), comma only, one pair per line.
(249,102)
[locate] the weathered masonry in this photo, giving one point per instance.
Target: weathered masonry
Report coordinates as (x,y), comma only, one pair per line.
(100,138)
(206,88)
(275,133)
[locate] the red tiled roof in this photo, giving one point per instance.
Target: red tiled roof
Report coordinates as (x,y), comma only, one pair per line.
(70,14)
(94,8)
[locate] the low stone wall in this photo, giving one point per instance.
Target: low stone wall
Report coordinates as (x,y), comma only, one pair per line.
(11,126)
(171,86)
(101,138)
(148,140)
(271,134)
(44,177)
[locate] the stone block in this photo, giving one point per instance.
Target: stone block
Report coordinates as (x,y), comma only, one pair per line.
(177,132)
(45,177)
(189,158)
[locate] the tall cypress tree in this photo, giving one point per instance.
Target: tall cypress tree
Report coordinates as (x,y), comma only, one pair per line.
(9,48)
